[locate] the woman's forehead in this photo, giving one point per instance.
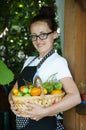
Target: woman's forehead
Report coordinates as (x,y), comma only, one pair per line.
(39,26)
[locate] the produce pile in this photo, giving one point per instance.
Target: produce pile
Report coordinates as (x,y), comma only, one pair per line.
(44,94)
(32,90)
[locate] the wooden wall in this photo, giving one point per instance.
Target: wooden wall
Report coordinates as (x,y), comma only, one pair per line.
(75,48)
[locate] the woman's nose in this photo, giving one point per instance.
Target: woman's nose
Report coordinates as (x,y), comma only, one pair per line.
(38,39)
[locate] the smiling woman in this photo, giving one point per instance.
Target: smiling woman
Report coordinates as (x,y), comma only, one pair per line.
(43,33)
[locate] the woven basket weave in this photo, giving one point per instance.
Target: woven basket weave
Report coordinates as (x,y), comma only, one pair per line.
(43,100)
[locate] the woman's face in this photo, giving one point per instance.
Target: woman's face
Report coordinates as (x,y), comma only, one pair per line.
(45,45)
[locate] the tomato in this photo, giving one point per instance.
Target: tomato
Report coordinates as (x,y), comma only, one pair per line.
(58,85)
(48,86)
(21,88)
(35,91)
(56,92)
(45,91)
(15,91)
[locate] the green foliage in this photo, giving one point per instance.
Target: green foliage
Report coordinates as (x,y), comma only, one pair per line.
(6,75)
(15,46)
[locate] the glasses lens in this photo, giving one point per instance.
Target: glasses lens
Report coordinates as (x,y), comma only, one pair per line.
(33,37)
(43,36)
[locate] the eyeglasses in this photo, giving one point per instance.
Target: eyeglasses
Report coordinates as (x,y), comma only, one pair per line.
(42,36)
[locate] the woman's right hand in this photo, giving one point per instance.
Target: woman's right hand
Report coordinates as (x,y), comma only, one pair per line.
(13,107)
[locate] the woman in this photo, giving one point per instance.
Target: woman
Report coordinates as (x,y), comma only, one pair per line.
(43,30)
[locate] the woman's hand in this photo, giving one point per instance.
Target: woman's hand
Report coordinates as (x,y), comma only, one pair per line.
(36,112)
(13,107)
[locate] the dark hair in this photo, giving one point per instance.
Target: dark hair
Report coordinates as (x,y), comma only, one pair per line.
(46,14)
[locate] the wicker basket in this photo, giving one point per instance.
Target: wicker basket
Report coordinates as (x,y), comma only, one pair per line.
(43,100)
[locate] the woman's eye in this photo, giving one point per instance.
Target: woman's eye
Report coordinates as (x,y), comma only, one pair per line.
(33,37)
(43,35)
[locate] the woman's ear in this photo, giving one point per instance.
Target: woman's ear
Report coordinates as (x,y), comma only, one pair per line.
(55,34)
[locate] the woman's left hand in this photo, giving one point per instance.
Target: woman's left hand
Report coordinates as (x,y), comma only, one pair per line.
(36,112)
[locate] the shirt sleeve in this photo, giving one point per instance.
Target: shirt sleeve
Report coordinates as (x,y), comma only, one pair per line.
(62,69)
(54,65)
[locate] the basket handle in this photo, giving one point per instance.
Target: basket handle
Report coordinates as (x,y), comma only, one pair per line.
(38,80)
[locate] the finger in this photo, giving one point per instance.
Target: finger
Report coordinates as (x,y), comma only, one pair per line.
(31,104)
(13,107)
(16,113)
(35,119)
(11,102)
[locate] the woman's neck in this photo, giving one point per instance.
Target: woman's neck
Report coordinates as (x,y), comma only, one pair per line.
(41,55)
(45,57)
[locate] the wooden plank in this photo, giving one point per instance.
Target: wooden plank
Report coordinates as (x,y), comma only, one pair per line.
(70,33)
(77,121)
(69,119)
(69,53)
(74,51)
(80,72)
(82,122)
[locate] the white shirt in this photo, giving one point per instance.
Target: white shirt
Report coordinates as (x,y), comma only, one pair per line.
(53,64)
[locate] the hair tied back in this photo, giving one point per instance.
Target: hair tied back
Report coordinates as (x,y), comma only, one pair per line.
(47,11)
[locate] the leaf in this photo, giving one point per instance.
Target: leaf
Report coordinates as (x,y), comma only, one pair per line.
(52,77)
(6,75)
(58,85)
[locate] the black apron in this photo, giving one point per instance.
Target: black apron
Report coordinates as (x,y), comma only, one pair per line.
(47,123)
(27,75)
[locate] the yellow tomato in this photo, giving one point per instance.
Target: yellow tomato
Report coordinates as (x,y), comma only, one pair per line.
(56,92)
(15,91)
(45,91)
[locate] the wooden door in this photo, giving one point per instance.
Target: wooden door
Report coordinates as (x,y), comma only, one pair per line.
(75,50)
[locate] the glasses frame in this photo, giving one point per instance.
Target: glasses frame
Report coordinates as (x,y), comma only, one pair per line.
(38,36)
